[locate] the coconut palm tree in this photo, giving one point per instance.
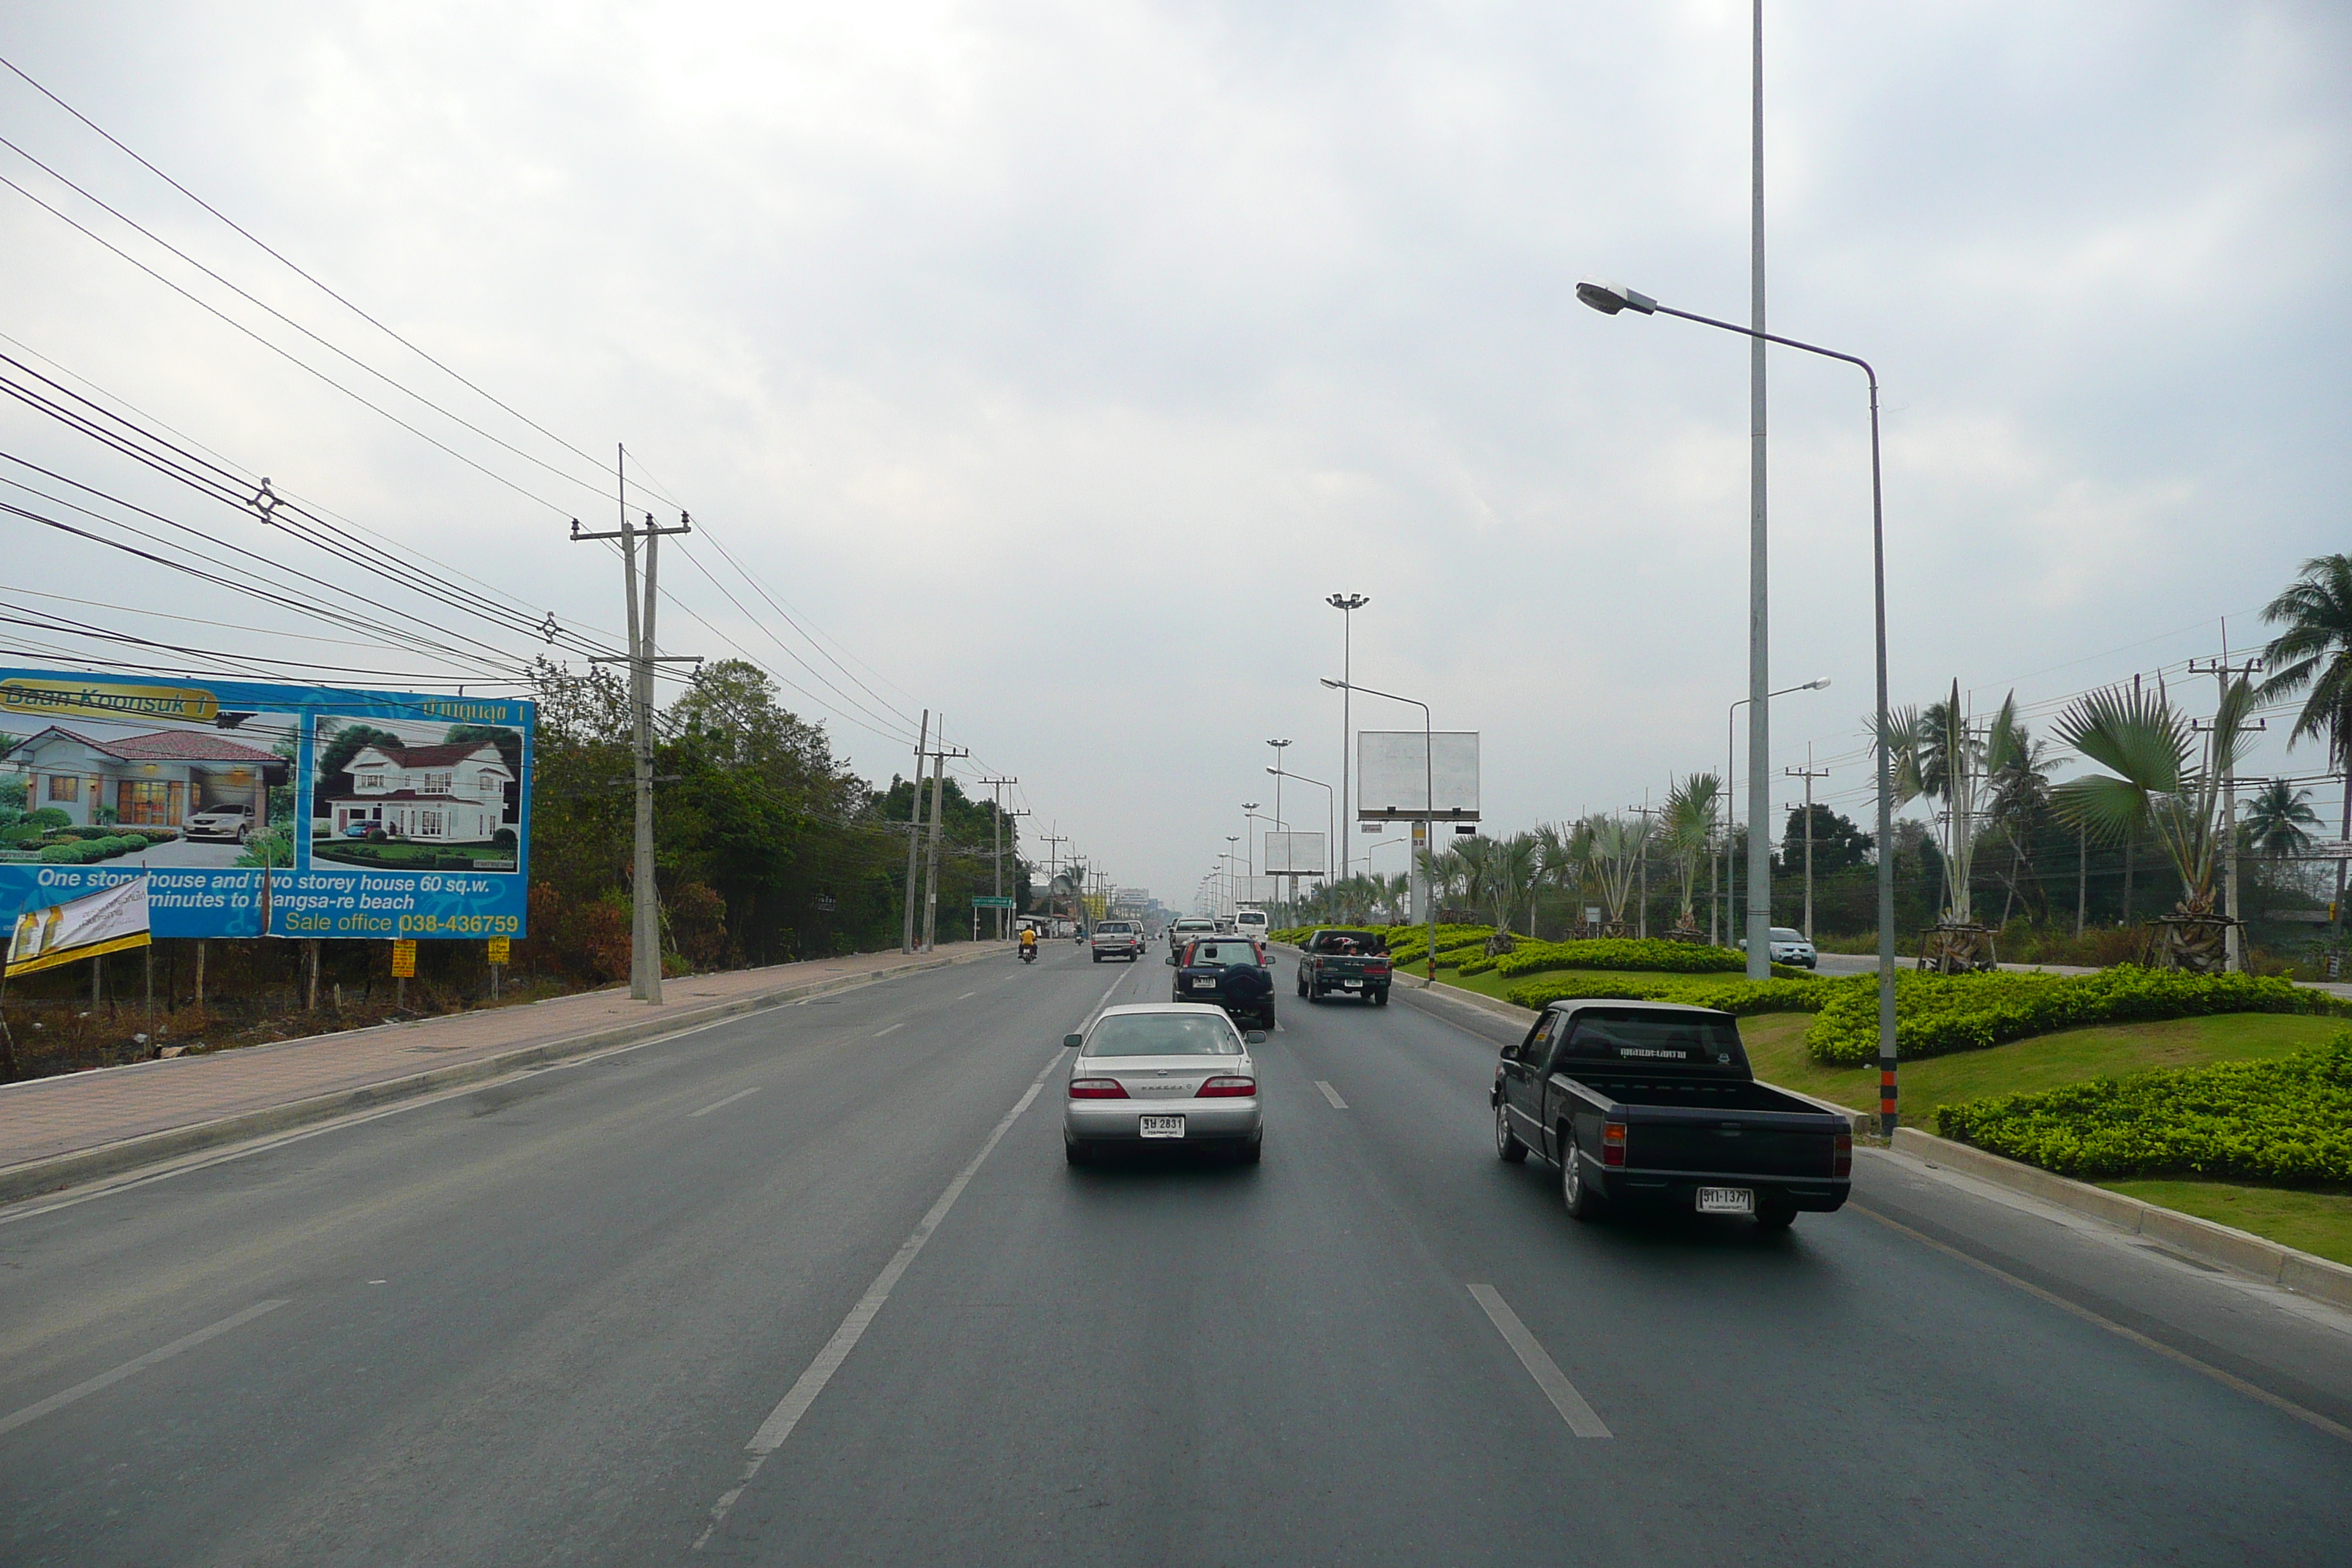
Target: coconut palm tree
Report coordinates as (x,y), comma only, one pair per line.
(2277,818)
(2162,783)
(2313,656)
(2020,800)
(1687,830)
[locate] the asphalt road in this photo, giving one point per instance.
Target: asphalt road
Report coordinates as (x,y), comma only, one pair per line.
(798,1288)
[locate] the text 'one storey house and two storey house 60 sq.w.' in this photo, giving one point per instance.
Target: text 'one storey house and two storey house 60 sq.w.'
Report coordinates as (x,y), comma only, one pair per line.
(454,794)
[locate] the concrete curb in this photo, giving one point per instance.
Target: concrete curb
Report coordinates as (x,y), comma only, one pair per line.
(35,1178)
(2200,1238)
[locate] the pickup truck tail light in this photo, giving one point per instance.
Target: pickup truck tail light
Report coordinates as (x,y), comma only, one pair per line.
(1227,1089)
(1097,1089)
(1612,1143)
(1841,1154)
(1376,966)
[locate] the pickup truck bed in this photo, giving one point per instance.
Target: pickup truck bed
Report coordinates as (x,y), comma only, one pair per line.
(1344,963)
(1652,1105)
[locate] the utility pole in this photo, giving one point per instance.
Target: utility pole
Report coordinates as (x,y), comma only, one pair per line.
(645,902)
(914,831)
(1642,914)
(1759,677)
(1053,842)
(2222,670)
(940,755)
(1809,775)
(996,839)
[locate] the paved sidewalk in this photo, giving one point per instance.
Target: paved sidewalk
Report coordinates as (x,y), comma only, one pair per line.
(54,1130)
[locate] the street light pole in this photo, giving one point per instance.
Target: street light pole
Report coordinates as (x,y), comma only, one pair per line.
(1330,811)
(1428,813)
(1290,905)
(1347,604)
(1608,299)
(1731,891)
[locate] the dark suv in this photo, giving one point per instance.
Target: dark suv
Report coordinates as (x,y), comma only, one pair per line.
(1232,973)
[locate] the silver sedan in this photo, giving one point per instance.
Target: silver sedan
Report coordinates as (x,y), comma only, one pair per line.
(1167,1073)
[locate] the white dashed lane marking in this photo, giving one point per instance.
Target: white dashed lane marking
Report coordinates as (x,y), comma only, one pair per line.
(1333,1094)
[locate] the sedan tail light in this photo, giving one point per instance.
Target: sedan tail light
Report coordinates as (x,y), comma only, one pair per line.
(1612,1143)
(1097,1089)
(1227,1089)
(1841,1156)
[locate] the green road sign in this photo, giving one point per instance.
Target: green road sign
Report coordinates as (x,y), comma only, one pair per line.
(984,901)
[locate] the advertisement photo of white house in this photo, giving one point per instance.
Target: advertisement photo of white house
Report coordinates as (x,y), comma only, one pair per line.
(88,787)
(399,796)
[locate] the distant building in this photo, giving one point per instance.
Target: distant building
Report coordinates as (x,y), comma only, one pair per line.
(148,781)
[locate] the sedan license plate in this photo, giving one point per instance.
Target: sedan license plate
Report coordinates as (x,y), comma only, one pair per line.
(1720,1200)
(1160,1126)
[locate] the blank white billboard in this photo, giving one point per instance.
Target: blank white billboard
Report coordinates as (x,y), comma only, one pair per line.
(1400,779)
(1259,889)
(1298,854)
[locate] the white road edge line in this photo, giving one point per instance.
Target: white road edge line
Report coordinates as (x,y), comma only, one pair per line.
(880,1033)
(130,1368)
(1562,1393)
(1333,1094)
(803,1393)
(723,1104)
(967,996)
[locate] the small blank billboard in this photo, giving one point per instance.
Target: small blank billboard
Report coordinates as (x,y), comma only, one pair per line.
(1400,780)
(1297,853)
(1259,890)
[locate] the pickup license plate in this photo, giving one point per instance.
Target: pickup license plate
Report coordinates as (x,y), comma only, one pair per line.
(1350,984)
(1723,1200)
(1161,1126)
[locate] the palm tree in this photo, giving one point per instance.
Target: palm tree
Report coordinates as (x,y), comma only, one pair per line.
(2315,651)
(1938,754)
(2158,785)
(1617,845)
(1687,830)
(2276,819)
(2020,798)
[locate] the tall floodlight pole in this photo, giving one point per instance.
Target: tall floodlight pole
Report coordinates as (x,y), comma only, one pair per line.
(1428,813)
(1233,871)
(1609,299)
(1759,643)
(1347,604)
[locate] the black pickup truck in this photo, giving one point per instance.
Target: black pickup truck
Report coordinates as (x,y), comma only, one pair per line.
(1344,963)
(1651,1104)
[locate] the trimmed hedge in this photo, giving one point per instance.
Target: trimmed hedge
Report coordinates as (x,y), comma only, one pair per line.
(2286,1122)
(1938,1014)
(1697,991)
(1614,952)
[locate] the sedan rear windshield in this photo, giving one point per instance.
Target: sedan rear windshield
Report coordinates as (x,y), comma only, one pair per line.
(1611,1033)
(1163,1035)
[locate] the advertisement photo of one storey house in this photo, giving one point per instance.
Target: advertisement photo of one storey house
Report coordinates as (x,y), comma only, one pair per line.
(381,798)
(157,780)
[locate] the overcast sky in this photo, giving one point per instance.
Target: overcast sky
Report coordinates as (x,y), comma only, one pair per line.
(1054,361)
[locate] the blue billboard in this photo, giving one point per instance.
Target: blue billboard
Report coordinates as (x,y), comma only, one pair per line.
(264,810)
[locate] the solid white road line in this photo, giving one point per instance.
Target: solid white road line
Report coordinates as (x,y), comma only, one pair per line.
(1562,1393)
(880,1033)
(2311,1418)
(1333,1094)
(129,1368)
(722,1104)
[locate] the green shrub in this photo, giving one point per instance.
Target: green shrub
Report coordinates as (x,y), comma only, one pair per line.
(72,852)
(1938,1014)
(50,816)
(22,833)
(1622,952)
(2286,1122)
(1697,991)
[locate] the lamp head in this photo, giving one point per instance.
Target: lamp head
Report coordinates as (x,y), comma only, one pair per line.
(1611,298)
(1821,685)
(1334,685)
(1347,601)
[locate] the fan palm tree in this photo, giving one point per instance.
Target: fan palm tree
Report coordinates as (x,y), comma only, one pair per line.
(1617,846)
(2277,820)
(2161,783)
(2313,656)
(1938,753)
(1687,830)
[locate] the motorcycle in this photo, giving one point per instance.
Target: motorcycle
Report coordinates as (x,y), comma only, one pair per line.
(1029,954)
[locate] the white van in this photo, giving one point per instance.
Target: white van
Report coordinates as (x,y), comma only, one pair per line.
(1251,922)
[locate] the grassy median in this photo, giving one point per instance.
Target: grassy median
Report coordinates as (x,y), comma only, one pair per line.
(2313,1222)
